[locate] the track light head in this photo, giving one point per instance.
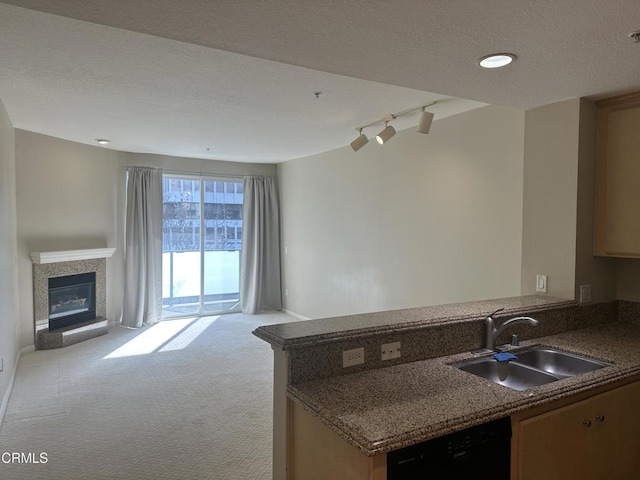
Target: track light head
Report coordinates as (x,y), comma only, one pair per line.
(359,142)
(385,134)
(425,122)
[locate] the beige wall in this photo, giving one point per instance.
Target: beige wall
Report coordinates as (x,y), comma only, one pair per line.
(550,197)
(598,272)
(628,279)
(426,219)
(67,199)
(559,178)
(9,316)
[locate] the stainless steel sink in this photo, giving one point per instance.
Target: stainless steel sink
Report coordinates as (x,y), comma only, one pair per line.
(509,374)
(535,366)
(560,364)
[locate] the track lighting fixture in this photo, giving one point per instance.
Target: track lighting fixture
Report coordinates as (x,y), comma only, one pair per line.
(359,142)
(424,125)
(385,134)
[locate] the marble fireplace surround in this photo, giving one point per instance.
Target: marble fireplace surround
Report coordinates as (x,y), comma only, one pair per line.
(61,263)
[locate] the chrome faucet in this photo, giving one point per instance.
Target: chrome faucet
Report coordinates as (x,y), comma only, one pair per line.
(492,333)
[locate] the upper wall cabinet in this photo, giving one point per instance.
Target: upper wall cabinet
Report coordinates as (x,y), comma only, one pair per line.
(617,206)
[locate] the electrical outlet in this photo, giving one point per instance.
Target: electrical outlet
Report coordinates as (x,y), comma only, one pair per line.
(585,293)
(352,357)
(541,283)
(389,351)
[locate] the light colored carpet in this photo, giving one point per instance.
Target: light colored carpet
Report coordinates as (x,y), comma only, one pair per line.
(197,405)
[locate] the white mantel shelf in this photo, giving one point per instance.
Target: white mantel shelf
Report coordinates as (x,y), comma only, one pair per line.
(71,255)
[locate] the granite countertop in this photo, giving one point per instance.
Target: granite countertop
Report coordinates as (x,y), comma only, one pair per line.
(389,408)
(314,332)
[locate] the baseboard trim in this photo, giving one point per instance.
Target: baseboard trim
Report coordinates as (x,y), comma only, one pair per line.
(5,399)
(23,350)
(295,315)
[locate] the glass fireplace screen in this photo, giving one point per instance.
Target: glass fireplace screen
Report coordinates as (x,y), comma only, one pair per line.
(71,299)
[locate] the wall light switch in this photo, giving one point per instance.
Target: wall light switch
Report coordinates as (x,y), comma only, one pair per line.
(541,283)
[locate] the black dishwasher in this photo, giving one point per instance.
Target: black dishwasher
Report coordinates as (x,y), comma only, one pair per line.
(471,453)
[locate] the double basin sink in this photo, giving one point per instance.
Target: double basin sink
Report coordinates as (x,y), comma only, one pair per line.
(533,367)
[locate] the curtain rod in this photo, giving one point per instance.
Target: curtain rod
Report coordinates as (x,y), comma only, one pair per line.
(201,174)
(180,172)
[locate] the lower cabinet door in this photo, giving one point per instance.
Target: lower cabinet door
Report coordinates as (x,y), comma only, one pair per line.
(595,439)
(615,451)
(555,445)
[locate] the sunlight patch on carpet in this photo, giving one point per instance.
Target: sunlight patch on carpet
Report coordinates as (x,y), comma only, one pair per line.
(152,339)
(189,334)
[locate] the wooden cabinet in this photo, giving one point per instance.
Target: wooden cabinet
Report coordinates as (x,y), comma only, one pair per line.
(597,438)
(317,453)
(617,434)
(617,202)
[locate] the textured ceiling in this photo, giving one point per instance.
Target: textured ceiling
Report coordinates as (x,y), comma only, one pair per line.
(175,88)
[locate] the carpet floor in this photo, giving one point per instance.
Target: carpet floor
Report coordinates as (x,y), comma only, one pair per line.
(184,399)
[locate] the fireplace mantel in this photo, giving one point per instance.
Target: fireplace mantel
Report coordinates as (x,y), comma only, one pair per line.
(71,255)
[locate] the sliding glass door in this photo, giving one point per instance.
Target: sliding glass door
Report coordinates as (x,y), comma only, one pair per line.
(222,221)
(202,236)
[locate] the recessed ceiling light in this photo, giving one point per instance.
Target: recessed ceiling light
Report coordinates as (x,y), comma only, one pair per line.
(497,60)
(102,141)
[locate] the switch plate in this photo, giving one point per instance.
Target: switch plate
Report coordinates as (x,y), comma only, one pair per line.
(585,293)
(352,357)
(389,351)
(541,283)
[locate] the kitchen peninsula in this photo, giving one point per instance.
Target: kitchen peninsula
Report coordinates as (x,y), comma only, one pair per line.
(370,409)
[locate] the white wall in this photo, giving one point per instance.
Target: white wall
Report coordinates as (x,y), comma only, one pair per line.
(9,323)
(424,219)
(67,199)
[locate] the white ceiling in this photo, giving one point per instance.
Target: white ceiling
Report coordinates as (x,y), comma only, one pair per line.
(238,77)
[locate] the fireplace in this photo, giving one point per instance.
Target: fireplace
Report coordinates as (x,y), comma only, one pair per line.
(72,300)
(69,296)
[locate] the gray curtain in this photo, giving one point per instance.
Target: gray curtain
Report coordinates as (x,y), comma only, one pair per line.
(142,304)
(260,260)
